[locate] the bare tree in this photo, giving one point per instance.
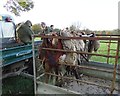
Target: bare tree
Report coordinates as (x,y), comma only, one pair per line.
(75,26)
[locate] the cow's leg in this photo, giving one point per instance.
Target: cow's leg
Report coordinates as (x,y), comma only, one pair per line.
(59,80)
(47,70)
(75,72)
(56,72)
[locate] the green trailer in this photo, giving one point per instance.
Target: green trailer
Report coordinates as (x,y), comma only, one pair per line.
(13,55)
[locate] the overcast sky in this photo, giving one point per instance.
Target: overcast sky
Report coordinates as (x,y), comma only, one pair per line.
(91,14)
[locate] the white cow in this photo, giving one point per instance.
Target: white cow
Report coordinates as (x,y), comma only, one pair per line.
(77,45)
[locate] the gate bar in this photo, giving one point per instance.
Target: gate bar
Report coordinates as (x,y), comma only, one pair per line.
(34,68)
(115,67)
(80,52)
(83,38)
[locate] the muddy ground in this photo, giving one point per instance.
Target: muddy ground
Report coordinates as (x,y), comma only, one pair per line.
(83,88)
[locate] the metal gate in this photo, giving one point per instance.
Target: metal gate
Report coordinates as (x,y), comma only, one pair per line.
(101,70)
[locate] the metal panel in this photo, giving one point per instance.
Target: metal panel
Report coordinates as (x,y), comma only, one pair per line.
(15,54)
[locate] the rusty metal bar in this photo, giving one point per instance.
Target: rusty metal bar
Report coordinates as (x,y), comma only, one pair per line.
(88,34)
(113,49)
(108,50)
(83,38)
(70,78)
(115,67)
(91,68)
(107,42)
(80,52)
(106,35)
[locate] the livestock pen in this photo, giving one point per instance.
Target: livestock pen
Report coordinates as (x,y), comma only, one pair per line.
(92,72)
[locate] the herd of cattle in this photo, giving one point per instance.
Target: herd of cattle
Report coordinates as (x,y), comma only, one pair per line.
(53,60)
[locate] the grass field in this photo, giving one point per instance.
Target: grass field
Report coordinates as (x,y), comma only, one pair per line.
(104,50)
(17,85)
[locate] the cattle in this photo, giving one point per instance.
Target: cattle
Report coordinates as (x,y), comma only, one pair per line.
(54,59)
